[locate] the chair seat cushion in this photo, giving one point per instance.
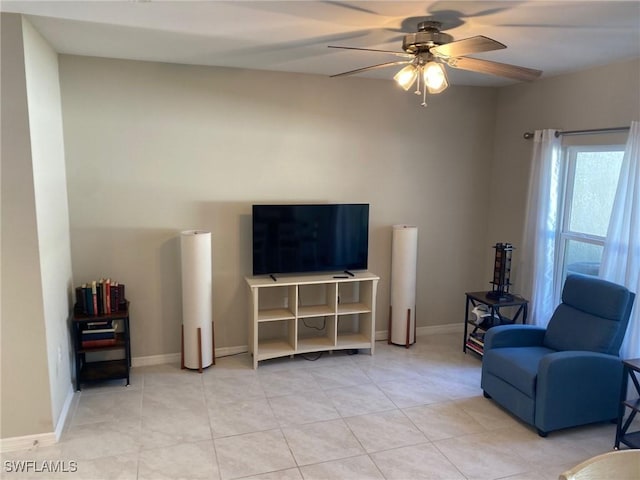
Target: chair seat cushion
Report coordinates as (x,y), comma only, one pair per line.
(518,366)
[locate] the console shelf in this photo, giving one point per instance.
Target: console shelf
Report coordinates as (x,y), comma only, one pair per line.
(311,313)
(275,314)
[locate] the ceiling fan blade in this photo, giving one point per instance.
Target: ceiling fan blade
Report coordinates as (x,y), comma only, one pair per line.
(467,46)
(494,68)
(397,54)
(372,67)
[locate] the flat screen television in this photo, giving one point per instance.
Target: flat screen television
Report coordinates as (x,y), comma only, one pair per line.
(310,238)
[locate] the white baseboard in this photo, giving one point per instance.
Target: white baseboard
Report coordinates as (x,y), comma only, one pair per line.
(26,442)
(175,357)
(441,329)
(429,330)
(155,360)
(47,439)
(226,351)
(64,414)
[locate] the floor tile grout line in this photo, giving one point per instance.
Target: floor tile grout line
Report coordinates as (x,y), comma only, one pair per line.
(420,362)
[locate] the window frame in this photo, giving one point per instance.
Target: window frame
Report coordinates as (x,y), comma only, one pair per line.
(564,235)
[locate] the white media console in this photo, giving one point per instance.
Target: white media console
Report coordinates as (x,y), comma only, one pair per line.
(311,313)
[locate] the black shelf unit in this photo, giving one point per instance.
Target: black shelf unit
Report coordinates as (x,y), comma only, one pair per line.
(630,439)
(474,340)
(102,370)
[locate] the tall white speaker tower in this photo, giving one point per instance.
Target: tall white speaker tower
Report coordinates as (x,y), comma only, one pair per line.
(402,307)
(198,349)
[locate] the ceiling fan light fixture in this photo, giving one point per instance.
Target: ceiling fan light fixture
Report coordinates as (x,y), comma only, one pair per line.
(435,77)
(430,50)
(406,76)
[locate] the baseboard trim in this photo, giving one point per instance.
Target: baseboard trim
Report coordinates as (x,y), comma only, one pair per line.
(26,442)
(64,414)
(175,357)
(429,330)
(441,329)
(226,351)
(47,439)
(155,360)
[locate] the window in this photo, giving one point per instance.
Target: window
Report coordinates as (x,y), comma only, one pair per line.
(591,179)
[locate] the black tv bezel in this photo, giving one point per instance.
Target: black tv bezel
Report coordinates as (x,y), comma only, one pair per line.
(322,270)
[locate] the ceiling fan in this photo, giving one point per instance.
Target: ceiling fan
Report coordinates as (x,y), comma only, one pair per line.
(429,48)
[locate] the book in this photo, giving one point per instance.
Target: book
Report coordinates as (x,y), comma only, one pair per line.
(477,337)
(114,297)
(98,336)
(97,331)
(88,299)
(98,343)
(80,307)
(99,295)
(94,297)
(122,302)
(107,296)
(475,347)
(98,324)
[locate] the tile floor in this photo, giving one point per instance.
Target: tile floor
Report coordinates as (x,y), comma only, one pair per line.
(400,414)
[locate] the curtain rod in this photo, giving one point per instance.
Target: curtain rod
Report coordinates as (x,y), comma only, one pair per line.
(529,135)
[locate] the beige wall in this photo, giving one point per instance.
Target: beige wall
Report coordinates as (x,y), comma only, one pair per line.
(52,213)
(25,397)
(153,149)
(602,97)
(36,252)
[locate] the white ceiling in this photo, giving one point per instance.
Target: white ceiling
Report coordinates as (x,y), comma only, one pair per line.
(292,36)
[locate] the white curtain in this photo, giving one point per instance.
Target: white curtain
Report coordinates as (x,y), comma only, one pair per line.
(621,255)
(536,276)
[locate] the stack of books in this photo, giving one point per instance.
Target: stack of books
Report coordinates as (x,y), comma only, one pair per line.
(100,297)
(475,342)
(98,334)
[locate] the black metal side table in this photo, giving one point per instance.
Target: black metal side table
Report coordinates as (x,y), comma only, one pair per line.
(474,341)
(630,439)
(100,370)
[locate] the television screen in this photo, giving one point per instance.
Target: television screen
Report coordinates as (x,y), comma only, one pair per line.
(310,238)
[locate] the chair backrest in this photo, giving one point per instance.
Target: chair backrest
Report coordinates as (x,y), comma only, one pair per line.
(593,316)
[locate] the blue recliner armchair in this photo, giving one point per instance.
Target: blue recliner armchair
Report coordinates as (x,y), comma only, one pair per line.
(570,373)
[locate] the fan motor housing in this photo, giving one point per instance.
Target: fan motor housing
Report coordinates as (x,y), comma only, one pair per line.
(423,41)
(428,35)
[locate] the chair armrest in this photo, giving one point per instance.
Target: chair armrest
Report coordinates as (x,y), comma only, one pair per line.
(513,336)
(579,367)
(577,387)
